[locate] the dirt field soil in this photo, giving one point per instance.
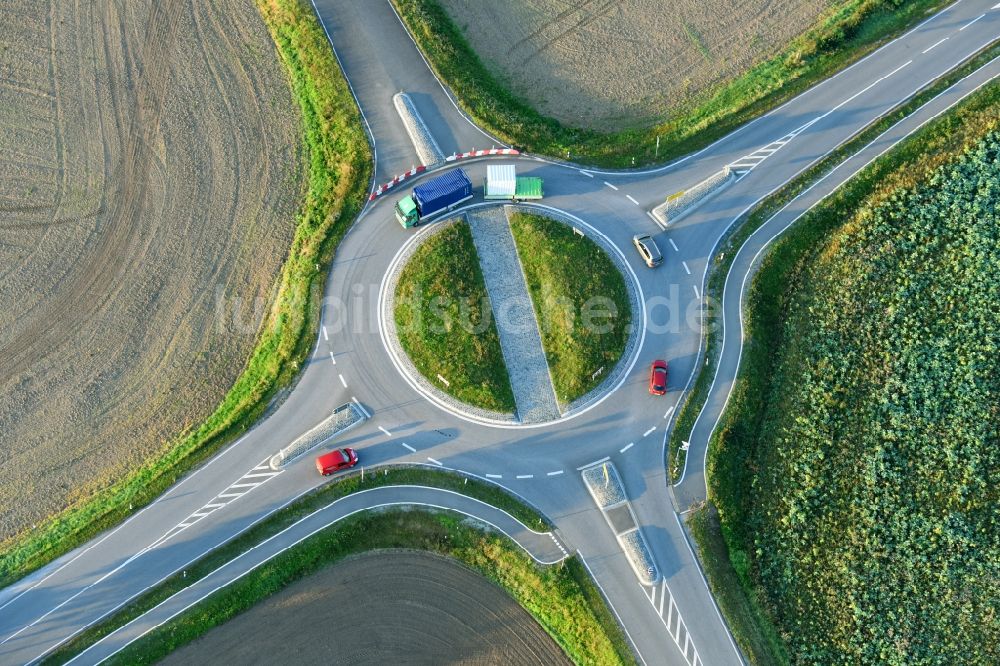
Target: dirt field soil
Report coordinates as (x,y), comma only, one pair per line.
(149,180)
(382,608)
(614,64)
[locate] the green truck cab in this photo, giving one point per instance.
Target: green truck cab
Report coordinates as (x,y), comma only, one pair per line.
(406,212)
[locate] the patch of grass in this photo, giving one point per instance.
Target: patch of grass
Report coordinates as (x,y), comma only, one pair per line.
(694,400)
(749,624)
(339,168)
(849,511)
(445,324)
(845,34)
(580,301)
(341,486)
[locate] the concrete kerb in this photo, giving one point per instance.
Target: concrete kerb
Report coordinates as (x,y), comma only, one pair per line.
(423,141)
(342,419)
(682,203)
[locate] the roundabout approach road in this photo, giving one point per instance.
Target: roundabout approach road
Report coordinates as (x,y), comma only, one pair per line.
(673,622)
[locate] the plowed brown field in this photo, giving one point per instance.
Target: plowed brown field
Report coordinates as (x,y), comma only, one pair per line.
(613,64)
(149,178)
(386,607)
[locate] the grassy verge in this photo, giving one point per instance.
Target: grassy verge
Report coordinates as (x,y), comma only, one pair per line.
(846,32)
(743,228)
(750,626)
(562,598)
(445,324)
(580,301)
(339,166)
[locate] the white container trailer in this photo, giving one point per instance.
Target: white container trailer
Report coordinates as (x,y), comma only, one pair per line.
(501,181)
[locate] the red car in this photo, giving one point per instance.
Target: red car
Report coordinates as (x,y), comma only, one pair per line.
(658,377)
(334,461)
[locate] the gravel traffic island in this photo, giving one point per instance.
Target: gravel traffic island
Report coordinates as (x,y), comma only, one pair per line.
(514,315)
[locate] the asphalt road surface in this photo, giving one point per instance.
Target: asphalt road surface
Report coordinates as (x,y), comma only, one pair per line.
(674,621)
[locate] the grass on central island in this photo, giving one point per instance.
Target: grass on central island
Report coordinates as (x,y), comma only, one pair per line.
(445,324)
(580,301)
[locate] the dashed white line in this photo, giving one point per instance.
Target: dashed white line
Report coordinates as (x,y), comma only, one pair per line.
(325,336)
(611,186)
(494,476)
(673,245)
(385,432)
(525,476)
(670,410)
(555,473)
(647,433)
(407,446)
(332,359)
(629,197)
(342,380)
(626,447)
(436,462)
(935,45)
(972,21)
(697,294)
(686,269)
(586,173)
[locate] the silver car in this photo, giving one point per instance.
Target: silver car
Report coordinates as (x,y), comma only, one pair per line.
(648,250)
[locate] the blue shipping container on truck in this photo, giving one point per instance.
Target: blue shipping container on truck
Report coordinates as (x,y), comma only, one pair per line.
(445,190)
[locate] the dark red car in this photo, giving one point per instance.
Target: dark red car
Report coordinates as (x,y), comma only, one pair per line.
(658,377)
(334,461)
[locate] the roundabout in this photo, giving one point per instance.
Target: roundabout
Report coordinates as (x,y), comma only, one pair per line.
(572,320)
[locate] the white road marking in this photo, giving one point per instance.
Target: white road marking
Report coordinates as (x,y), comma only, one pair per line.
(252,476)
(741,165)
(629,197)
(934,45)
(386,432)
(436,462)
(215,505)
(332,359)
(325,336)
(555,473)
(232,494)
(697,294)
(525,476)
(586,173)
(652,596)
(626,447)
(596,462)
(342,380)
(670,410)
(647,433)
(611,186)
(996,6)
(494,476)
(663,593)
(653,218)
(252,484)
(972,21)
(686,269)
(407,446)
(673,245)
(202,514)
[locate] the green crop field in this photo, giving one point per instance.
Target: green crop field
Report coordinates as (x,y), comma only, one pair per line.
(855,469)
(580,301)
(445,322)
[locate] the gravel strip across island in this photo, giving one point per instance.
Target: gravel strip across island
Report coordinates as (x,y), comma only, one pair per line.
(514,314)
